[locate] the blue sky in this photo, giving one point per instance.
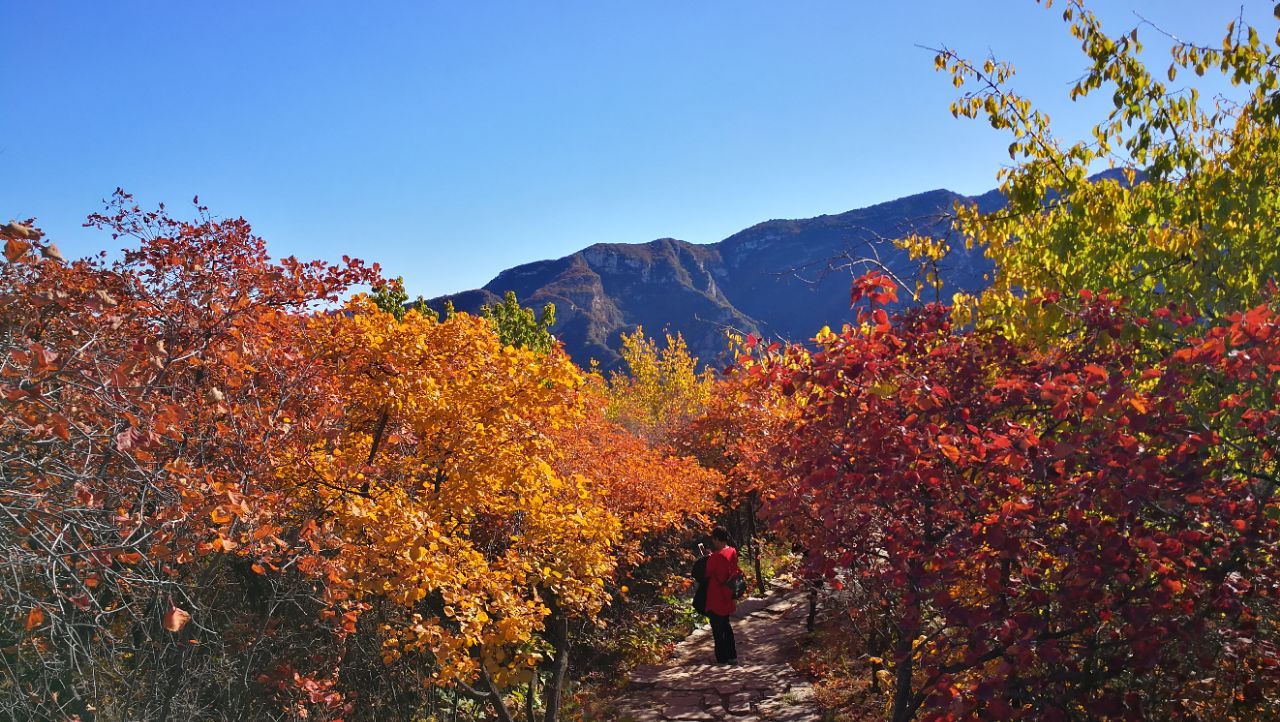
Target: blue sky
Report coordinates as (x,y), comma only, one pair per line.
(450,140)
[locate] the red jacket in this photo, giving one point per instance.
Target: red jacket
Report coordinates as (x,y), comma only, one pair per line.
(721,567)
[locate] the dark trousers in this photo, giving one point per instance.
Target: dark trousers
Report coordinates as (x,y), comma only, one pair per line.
(722,633)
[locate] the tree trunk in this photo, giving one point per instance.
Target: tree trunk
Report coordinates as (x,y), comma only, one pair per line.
(812,618)
(755,544)
(904,704)
(736,530)
(495,696)
(558,635)
(529,698)
(377,441)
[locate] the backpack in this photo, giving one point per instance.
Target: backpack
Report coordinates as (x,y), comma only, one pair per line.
(738,585)
(699,574)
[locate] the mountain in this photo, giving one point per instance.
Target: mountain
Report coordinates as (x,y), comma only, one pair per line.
(777,279)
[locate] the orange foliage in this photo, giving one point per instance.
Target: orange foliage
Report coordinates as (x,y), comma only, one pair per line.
(648,488)
(239,491)
(442,487)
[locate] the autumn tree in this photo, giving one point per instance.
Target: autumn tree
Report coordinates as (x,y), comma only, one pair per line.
(661,389)
(734,434)
(1044,535)
(483,502)
(148,570)
(443,489)
(1186,218)
(660,499)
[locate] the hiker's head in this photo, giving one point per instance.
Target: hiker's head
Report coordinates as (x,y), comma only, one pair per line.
(719,538)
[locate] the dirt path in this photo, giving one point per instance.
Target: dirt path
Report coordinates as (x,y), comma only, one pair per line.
(763,686)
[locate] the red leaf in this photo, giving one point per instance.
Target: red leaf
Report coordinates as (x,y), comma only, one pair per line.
(15,249)
(175,619)
(1096,372)
(127,439)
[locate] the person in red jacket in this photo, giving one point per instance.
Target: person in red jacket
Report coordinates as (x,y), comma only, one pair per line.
(722,566)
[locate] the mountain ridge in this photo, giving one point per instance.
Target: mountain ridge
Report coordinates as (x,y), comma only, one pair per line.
(783,278)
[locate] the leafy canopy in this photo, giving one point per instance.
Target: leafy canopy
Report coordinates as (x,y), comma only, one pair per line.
(662,389)
(1187,217)
(517,325)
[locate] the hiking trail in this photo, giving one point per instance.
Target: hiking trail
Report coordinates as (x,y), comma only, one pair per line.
(762,687)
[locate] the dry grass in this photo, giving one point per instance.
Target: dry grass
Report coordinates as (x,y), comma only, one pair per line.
(842,676)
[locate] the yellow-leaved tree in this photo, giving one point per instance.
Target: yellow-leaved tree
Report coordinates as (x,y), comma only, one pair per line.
(1184,223)
(662,388)
(443,485)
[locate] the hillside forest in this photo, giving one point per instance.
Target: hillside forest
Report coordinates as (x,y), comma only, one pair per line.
(236,487)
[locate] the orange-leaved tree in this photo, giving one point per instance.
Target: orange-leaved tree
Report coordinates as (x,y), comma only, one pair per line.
(444,487)
(658,498)
(734,434)
(651,489)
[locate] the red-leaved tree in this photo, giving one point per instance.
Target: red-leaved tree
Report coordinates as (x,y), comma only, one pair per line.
(149,572)
(1044,535)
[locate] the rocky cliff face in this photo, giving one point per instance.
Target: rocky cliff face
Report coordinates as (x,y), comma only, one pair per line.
(781,278)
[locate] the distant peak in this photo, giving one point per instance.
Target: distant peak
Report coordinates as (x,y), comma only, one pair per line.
(768,278)
(930,196)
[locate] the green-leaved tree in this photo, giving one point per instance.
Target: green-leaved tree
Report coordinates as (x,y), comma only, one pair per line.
(518,326)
